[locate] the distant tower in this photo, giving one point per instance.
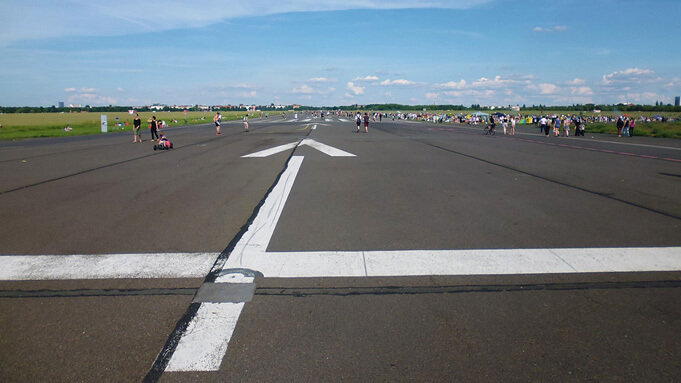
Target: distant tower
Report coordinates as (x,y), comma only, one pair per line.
(61,104)
(677,101)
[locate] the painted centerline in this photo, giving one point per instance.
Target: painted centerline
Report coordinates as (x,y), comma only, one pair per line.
(205,341)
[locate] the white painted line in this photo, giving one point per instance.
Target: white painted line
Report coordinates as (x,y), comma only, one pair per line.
(258,235)
(459,262)
(106,266)
(271,151)
(203,345)
(326,149)
(303,264)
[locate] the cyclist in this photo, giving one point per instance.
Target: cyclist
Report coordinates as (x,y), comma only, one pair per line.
(492,125)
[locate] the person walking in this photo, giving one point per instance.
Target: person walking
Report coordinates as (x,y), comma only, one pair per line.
(512,131)
(620,126)
(631,127)
(137,127)
(217,119)
(366,122)
(358,121)
(153,127)
(627,123)
(578,126)
(543,126)
(246,123)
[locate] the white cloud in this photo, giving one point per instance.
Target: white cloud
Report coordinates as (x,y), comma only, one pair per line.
(631,75)
(251,94)
(674,83)
(547,88)
(581,91)
(366,78)
(81,90)
(308,90)
(640,98)
(557,28)
(577,81)
(356,90)
(92,99)
(22,20)
(322,80)
(472,94)
(453,85)
(400,82)
(305,89)
(496,82)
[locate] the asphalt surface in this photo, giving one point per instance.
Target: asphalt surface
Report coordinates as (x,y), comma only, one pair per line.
(411,186)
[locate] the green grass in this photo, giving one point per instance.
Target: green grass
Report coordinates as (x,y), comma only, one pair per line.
(646,129)
(31,125)
(16,126)
(649,129)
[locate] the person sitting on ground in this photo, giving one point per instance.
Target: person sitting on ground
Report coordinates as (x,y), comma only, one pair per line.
(164,143)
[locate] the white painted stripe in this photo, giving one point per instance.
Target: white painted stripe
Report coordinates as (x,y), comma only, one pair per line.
(106,266)
(271,151)
(258,235)
(459,262)
(302,264)
(203,345)
(326,149)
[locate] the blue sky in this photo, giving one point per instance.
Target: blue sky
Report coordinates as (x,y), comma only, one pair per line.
(325,53)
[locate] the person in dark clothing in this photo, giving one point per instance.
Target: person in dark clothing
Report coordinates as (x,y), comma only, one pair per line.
(153,126)
(137,127)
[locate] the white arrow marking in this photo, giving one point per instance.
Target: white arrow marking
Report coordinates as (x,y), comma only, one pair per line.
(272,151)
(314,127)
(326,149)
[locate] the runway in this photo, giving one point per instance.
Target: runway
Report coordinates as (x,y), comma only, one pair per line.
(416,251)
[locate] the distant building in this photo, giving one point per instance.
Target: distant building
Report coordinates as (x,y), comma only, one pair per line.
(677,101)
(61,104)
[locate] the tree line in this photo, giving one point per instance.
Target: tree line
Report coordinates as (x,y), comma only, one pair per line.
(377,107)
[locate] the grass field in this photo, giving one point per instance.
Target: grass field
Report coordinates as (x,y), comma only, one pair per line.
(670,129)
(31,125)
(17,126)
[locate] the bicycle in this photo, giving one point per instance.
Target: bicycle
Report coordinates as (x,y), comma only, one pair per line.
(489,129)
